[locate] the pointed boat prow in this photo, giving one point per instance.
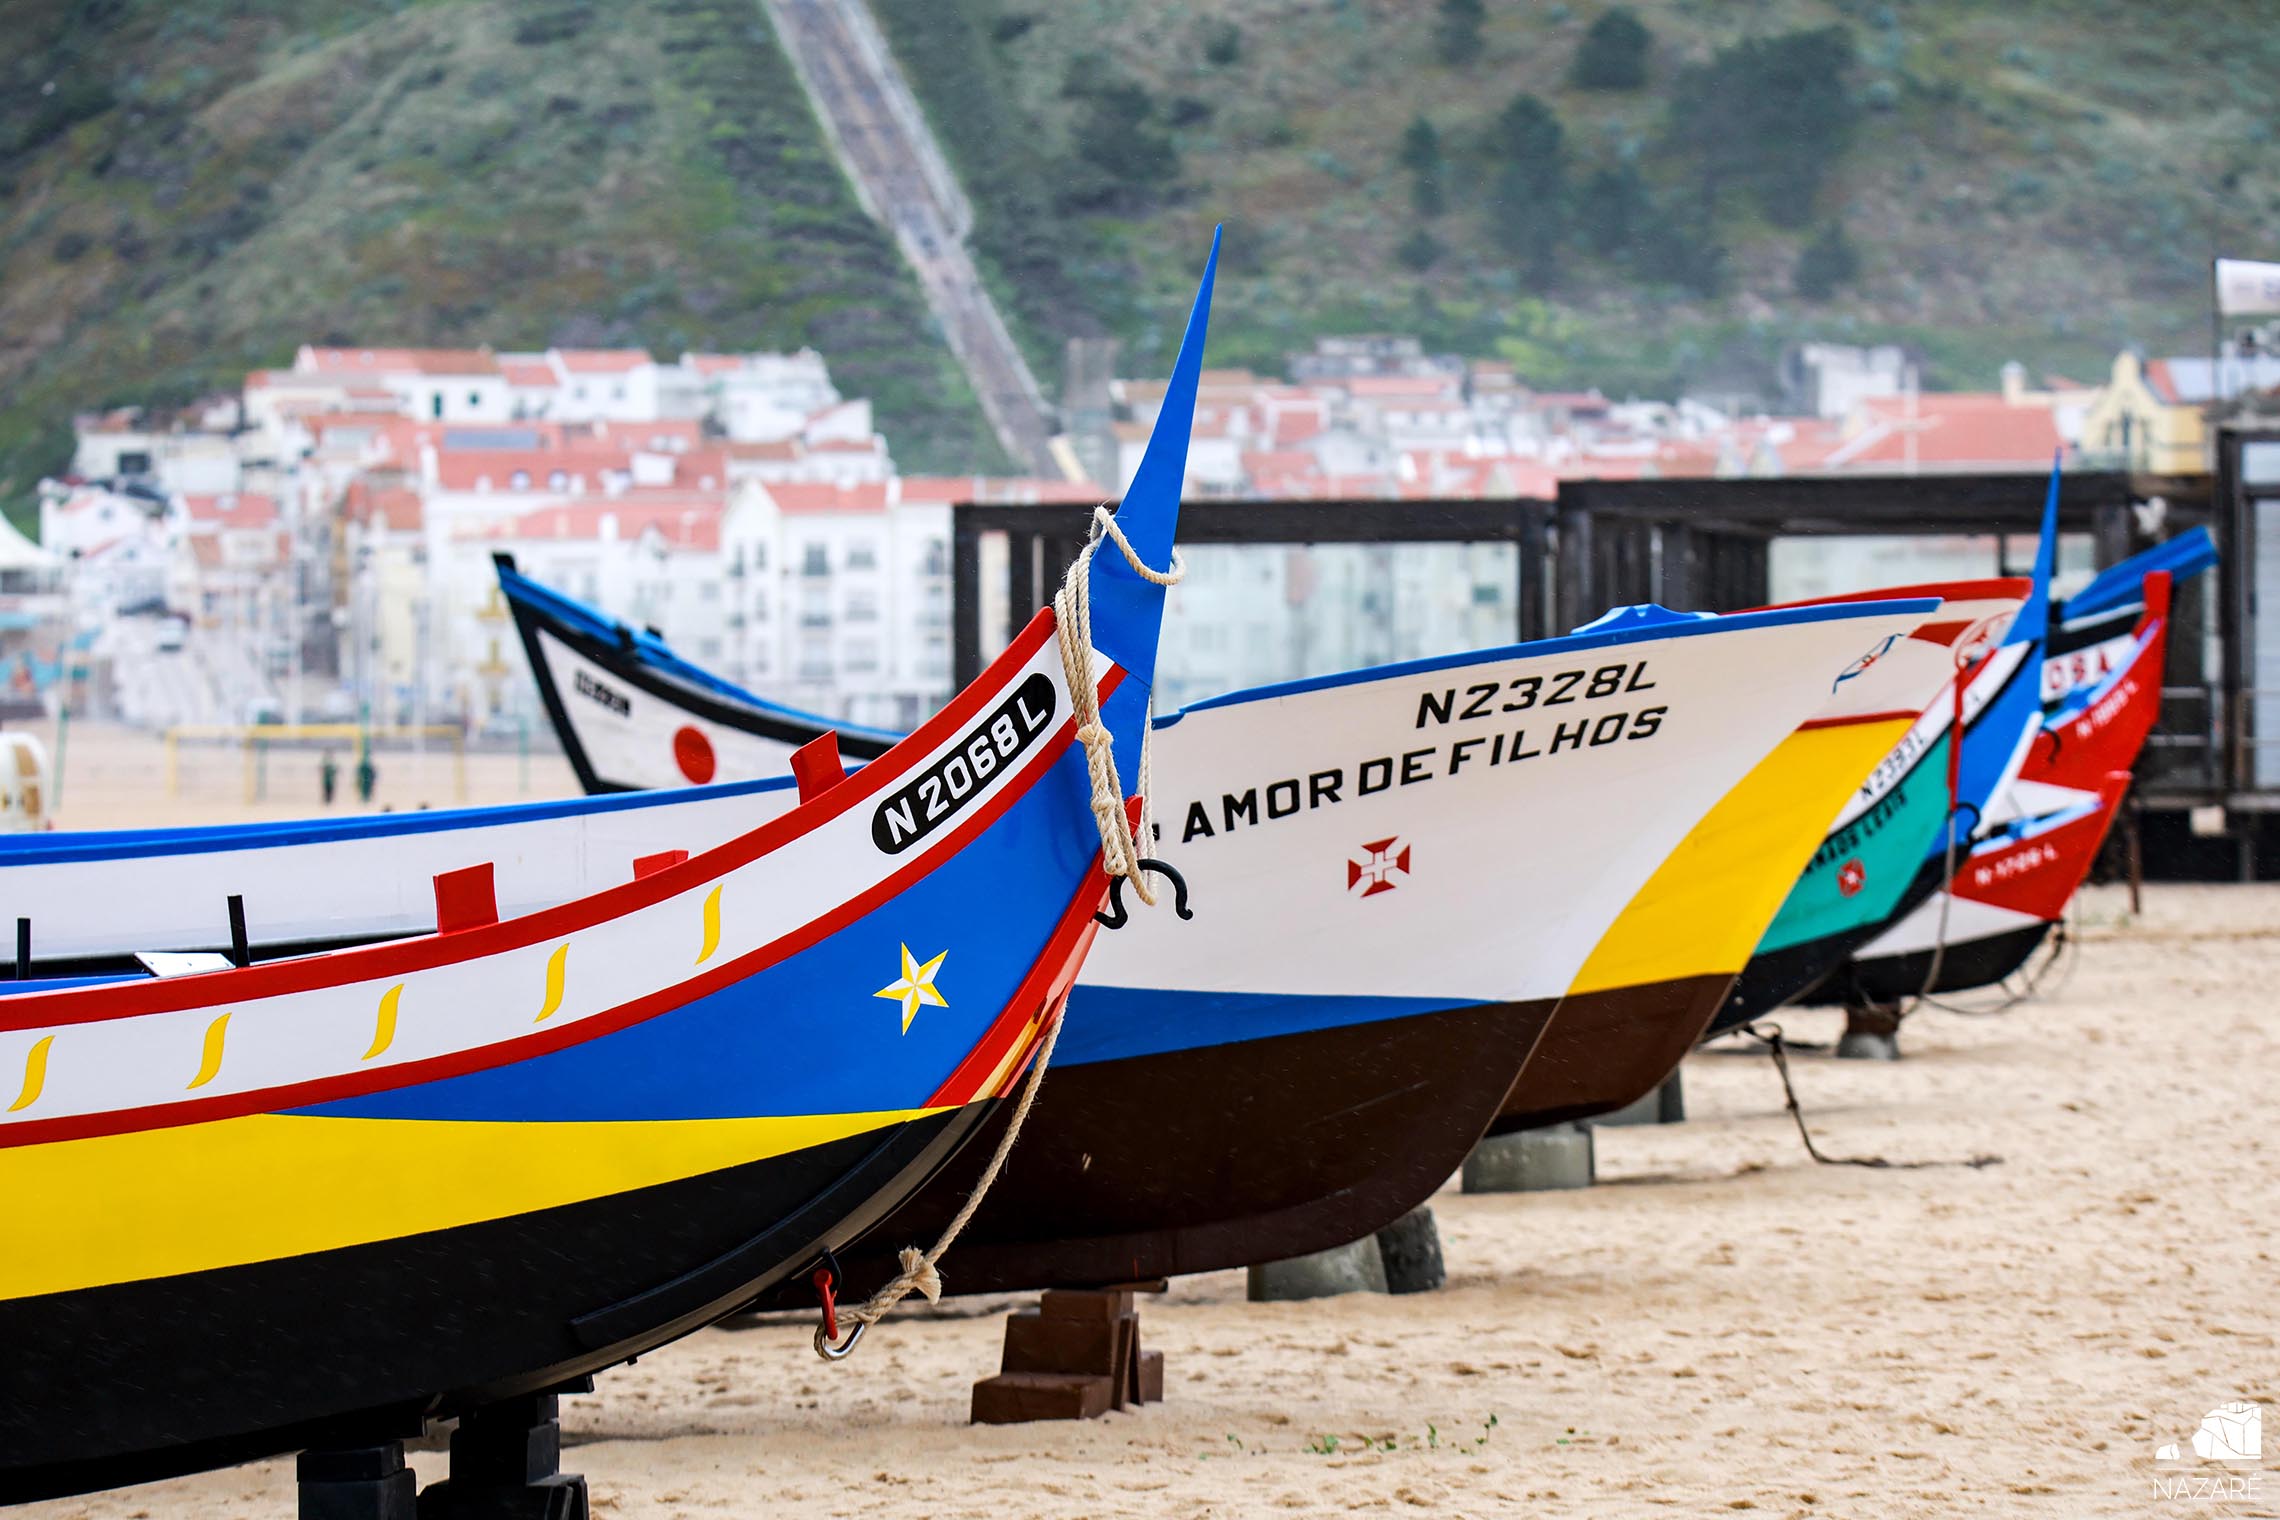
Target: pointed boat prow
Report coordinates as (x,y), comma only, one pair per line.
(1128,609)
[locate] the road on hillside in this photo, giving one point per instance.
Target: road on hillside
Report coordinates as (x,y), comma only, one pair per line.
(835,47)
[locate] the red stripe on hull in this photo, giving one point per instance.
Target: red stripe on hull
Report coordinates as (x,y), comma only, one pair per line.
(546,1042)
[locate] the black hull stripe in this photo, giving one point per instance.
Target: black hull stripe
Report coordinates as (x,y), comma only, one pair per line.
(1964,965)
(133,1381)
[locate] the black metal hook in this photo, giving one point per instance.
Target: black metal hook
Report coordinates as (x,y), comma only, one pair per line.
(1117,917)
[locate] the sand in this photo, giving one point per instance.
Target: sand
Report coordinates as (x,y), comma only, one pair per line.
(1721,1325)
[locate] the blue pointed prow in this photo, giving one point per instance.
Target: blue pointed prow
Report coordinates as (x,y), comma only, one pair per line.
(1128,611)
(2118,585)
(2033,621)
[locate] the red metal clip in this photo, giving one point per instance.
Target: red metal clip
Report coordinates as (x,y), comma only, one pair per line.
(822,1279)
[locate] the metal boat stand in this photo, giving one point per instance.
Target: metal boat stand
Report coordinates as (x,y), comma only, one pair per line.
(506,1461)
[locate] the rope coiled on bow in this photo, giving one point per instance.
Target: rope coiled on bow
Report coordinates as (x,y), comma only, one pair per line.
(1120,856)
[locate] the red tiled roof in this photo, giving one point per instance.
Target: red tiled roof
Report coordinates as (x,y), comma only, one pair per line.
(402,361)
(244,509)
(601,361)
(786,448)
(809,496)
(1279,462)
(531,374)
(399,509)
(1948,430)
(687,520)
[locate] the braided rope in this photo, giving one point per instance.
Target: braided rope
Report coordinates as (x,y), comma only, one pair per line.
(1072,619)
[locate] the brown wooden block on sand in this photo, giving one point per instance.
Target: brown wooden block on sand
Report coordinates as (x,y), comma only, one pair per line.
(1074,1357)
(1012,1397)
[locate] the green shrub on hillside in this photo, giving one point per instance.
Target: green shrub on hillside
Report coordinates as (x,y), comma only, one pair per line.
(1678,245)
(1456,35)
(1768,117)
(1527,205)
(1826,263)
(1421,156)
(1614,53)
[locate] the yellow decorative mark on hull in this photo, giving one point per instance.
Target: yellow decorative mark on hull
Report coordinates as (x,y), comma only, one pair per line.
(210,1062)
(123,1208)
(384,1031)
(712,926)
(554,965)
(1707,906)
(35,1075)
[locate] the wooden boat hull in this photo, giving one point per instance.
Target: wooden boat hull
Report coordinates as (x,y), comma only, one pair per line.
(1885,851)
(2001,905)
(1980,961)
(2105,677)
(1606,1050)
(1649,988)
(352,1344)
(1157,1165)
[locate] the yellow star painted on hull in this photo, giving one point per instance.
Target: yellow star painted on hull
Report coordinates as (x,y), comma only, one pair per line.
(916,988)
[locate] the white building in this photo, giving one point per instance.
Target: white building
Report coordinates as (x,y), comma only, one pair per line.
(119,445)
(433,384)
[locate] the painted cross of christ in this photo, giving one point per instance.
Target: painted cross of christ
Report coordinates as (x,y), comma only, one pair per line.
(1379,868)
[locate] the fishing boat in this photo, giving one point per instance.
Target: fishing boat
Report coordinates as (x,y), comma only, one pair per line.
(315,1200)
(1871,867)
(1419,858)
(1421,861)
(1988,921)
(2101,686)
(1863,871)
(1667,966)
(1948,781)
(1651,984)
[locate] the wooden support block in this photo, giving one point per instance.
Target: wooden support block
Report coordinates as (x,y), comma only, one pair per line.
(1124,1381)
(1035,1343)
(1104,1304)
(1073,1357)
(1011,1398)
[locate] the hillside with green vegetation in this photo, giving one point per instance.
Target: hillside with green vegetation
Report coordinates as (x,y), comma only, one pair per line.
(1643,197)
(188,190)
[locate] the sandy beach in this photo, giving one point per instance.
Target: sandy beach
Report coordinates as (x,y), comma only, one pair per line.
(1722,1324)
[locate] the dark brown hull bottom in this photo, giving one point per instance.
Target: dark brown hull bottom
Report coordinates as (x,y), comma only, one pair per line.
(1606,1050)
(1223,1156)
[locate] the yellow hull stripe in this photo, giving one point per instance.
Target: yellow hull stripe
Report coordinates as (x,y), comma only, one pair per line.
(210,1062)
(384,1027)
(712,927)
(35,1075)
(1707,906)
(554,965)
(119,1208)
